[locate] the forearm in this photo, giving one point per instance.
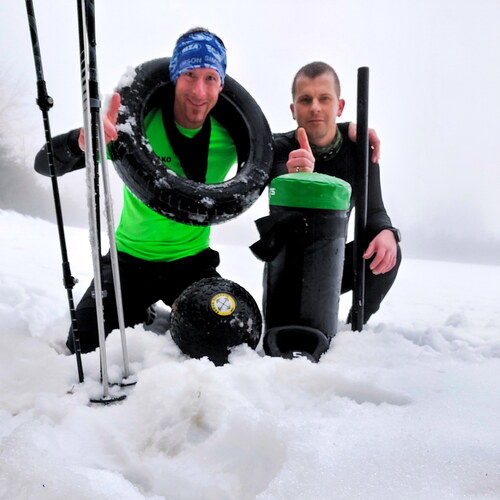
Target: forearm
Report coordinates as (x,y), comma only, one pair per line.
(67,155)
(377,221)
(377,218)
(344,129)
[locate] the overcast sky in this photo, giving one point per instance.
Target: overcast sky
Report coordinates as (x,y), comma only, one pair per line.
(434,86)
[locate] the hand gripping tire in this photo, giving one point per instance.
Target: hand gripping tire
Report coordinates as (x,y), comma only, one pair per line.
(161,189)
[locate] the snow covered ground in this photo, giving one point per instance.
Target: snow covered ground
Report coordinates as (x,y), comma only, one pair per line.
(407,409)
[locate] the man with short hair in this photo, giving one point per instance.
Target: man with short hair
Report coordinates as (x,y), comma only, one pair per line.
(321,145)
(158,257)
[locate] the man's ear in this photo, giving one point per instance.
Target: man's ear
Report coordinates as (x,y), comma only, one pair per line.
(292,109)
(341,107)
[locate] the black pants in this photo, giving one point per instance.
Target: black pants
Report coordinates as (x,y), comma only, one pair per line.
(376,285)
(143,283)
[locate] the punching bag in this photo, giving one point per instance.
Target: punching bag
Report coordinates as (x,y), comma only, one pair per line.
(303,244)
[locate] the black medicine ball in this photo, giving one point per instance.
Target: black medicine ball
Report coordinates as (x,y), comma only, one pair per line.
(213,315)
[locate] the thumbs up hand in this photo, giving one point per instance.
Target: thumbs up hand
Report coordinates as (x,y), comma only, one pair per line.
(302,159)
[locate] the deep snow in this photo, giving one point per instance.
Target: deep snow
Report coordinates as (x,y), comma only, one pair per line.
(409,408)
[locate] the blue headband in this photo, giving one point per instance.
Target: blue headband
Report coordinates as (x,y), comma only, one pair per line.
(198,50)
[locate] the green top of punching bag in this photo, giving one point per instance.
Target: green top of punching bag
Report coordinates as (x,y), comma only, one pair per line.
(310,190)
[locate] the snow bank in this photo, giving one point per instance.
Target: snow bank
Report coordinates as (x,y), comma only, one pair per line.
(406,409)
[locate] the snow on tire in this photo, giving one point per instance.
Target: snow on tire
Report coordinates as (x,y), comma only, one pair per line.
(162,190)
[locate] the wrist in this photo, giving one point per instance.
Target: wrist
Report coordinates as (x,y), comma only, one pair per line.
(396,232)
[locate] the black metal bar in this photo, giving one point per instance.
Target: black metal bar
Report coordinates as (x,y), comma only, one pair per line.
(93,97)
(361,186)
(45,102)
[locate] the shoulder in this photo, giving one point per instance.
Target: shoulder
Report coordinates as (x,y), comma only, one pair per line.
(284,142)
(344,129)
(222,144)
(221,140)
(153,120)
(217,129)
(285,138)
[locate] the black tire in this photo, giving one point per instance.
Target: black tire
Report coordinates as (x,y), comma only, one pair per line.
(161,189)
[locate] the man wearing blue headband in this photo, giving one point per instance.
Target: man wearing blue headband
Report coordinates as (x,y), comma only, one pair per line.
(158,257)
(198,50)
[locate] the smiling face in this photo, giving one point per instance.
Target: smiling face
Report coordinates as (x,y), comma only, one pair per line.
(316,107)
(196,93)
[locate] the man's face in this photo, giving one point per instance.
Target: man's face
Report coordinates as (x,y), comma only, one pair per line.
(196,93)
(316,107)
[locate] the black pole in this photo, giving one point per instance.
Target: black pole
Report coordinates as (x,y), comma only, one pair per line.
(93,97)
(45,102)
(358,296)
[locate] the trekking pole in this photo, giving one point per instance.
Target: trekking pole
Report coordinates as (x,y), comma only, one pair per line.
(108,203)
(45,102)
(90,105)
(114,254)
(95,148)
(358,295)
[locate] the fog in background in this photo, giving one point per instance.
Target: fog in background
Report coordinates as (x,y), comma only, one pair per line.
(434,97)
